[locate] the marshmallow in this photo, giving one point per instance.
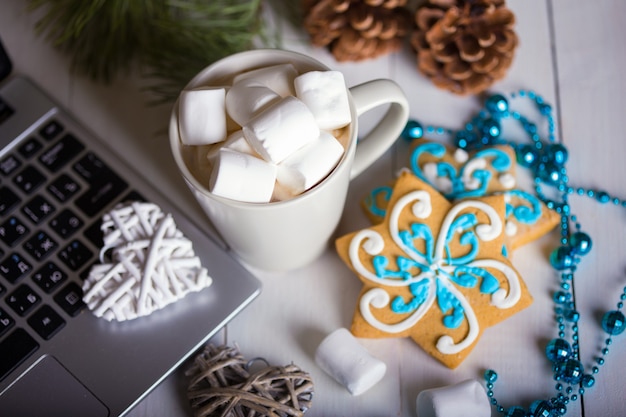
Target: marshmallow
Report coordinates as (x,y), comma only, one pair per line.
(467,398)
(202,116)
(326,95)
(278,78)
(235,142)
(242,177)
(246,99)
(310,164)
(281,193)
(346,360)
(281,129)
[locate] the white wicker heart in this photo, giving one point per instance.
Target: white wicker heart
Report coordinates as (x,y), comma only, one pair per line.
(152,264)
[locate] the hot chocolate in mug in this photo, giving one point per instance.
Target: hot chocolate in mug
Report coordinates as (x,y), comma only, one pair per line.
(285,235)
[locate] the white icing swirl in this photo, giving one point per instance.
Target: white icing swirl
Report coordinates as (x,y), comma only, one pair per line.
(436,268)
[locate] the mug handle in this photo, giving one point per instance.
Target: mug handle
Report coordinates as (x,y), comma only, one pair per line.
(367,96)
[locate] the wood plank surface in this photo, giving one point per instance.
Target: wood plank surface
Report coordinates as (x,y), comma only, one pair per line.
(572,52)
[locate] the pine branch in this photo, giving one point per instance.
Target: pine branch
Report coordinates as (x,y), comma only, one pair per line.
(170,40)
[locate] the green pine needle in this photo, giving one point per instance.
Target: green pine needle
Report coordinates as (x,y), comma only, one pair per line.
(171,40)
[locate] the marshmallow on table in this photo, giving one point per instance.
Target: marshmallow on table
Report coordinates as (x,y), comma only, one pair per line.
(202,116)
(310,164)
(342,356)
(246,99)
(278,78)
(326,95)
(281,129)
(467,398)
(242,177)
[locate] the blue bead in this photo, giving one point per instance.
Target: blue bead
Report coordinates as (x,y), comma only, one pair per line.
(603,197)
(572,316)
(560,297)
(580,243)
(558,350)
(526,155)
(497,104)
(613,322)
(412,130)
(542,409)
(549,173)
(465,139)
(569,371)
(560,408)
(491,129)
(588,381)
(545,109)
(561,258)
(490,376)
(557,153)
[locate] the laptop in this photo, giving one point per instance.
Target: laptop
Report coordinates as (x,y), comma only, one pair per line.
(56,357)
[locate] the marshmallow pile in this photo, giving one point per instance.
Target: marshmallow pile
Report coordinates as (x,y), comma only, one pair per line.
(272,131)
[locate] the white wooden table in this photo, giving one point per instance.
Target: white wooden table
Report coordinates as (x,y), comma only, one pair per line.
(571,51)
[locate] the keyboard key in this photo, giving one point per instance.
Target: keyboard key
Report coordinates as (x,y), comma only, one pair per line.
(100,194)
(8,200)
(75,255)
(66,223)
(14,267)
(105,184)
(9,164)
(46,322)
(6,322)
(30,147)
(91,168)
(38,209)
(40,245)
(63,187)
(62,152)
(49,277)
(51,130)
(23,300)
(12,230)
(29,179)
(14,350)
(70,299)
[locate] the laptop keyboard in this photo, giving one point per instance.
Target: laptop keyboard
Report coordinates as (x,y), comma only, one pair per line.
(53,190)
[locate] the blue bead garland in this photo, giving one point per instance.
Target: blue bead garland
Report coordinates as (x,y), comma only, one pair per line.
(546,159)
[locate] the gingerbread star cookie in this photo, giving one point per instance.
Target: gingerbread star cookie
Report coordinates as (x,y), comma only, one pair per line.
(458,174)
(433,271)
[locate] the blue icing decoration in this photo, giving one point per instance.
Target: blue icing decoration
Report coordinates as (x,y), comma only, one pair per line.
(523,213)
(501,161)
(435,149)
(371,200)
(467,274)
(405,265)
(418,231)
(463,225)
(497,159)
(420,293)
(447,301)
(427,269)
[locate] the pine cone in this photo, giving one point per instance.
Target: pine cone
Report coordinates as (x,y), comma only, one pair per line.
(464,46)
(355,30)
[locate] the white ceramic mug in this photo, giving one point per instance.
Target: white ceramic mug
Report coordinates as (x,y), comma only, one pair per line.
(285,235)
